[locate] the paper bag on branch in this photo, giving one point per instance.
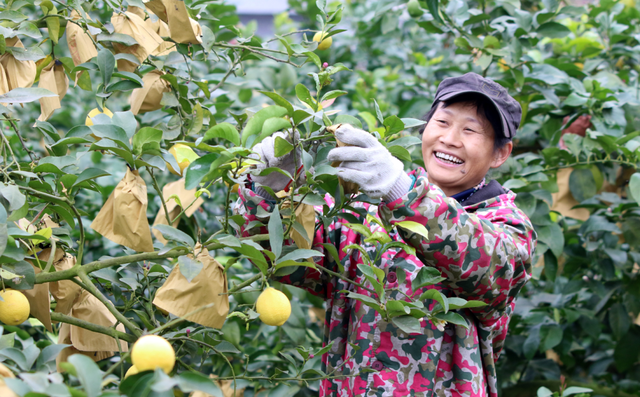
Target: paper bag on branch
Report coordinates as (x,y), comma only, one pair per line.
(4,389)
(4,81)
(179,297)
(92,344)
(53,78)
(123,218)
(148,98)
(65,292)
(81,46)
(131,24)
(186,198)
(349,187)
(563,200)
(174,13)
(162,29)
(38,296)
(20,74)
(306,216)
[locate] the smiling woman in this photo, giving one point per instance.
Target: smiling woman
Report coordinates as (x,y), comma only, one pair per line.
(476,237)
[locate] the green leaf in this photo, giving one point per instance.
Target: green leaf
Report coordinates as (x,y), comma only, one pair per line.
(378,112)
(552,236)
(437,296)
(582,184)
(50,353)
(89,374)
(145,138)
(14,197)
(300,254)
(119,38)
(276,233)
(198,169)
(619,320)
(280,101)
(426,276)
(347,119)
(553,29)
(332,95)
(173,234)
(453,318)
(359,228)
(24,95)
(303,94)
(255,123)
(393,125)
(569,391)
(433,7)
(552,338)
(281,147)
(192,381)
(189,267)
(414,227)
(22,268)
(407,324)
(272,125)
(106,63)
(634,187)
(225,131)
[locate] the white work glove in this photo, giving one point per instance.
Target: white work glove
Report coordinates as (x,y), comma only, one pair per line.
(265,151)
(369,164)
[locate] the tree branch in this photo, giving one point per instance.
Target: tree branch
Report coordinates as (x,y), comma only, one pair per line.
(112,332)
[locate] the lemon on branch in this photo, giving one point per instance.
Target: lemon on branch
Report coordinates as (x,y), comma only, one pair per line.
(324,43)
(131,371)
(93,113)
(14,307)
(184,156)
(273,307)
(151,352)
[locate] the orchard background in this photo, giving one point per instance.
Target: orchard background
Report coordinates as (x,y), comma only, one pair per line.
(220,91)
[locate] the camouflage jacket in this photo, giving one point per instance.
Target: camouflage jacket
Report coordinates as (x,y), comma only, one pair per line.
(484,250)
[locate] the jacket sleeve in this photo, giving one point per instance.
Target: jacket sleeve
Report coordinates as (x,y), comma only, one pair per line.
(484,255)
(254,210)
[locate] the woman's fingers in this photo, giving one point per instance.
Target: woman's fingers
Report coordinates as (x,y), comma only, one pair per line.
(355,136)
(349,153)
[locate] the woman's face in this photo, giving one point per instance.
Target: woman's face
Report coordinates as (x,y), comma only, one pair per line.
(457,148)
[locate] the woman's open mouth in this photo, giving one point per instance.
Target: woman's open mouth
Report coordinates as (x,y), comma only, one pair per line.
(448,158)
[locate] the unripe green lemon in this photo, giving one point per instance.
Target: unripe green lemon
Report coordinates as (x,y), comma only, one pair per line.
(414,9)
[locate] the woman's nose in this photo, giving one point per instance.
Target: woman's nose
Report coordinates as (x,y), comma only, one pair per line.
(451,137)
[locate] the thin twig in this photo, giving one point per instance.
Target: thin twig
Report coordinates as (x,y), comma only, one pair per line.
(164,204)
(15,128)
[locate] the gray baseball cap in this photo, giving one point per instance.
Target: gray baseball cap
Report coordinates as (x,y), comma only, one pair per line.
(509,109)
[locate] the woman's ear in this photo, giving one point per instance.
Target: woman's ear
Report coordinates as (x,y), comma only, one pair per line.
(501,155)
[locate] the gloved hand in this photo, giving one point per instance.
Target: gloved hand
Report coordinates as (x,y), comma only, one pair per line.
(265,151)
(369,164)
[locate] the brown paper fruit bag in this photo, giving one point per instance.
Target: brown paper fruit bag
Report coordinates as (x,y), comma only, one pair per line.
(92,344)
(65,292)
(38,296)
(563,200)
(175,14)
(306,216)
(53,78)
(162,29)
(80,44)
(123,218)
(179,297)
(131,24)
(349,187)
(148,98)
(226,386)
(185,196)
(20,74)
(4,389)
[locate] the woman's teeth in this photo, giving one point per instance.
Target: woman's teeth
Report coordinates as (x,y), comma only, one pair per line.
(448,158)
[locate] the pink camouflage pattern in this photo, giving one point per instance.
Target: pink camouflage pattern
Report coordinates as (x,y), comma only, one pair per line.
(484,250)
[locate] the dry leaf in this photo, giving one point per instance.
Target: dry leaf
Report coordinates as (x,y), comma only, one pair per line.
(185,196)
(92,344)
(20,74)
(80,44)
(148,98)
(123,218)
(53,78)
(179,296)
(349,187)
(131,24)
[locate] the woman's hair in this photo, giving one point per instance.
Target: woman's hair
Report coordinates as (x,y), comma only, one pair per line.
(478,101)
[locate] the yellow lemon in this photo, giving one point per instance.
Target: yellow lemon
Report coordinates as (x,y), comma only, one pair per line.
(629,3)
(88,122)
(151,352)
(324,44)
(14,307)
(184,156)
(273,307)
(131,371)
